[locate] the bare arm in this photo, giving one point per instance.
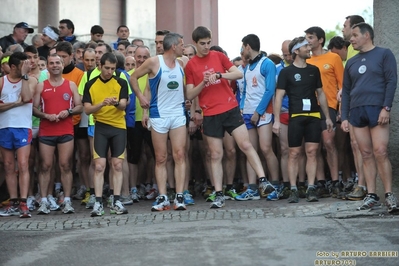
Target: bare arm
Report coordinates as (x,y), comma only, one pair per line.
(28,86)
(277,109)
(324,107)
(145,68)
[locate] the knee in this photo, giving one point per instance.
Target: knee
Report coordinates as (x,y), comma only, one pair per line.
(246,146)
(381,153)
(99,168)
(329,144)
(117,166)
(179,156)
(65,166)
(161,158)
(230,153)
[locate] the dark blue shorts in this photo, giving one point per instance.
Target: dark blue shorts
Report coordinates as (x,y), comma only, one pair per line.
(15,138)
(365,116)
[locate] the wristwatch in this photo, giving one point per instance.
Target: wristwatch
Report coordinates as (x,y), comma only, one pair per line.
(219,75)
(70,111)
(198,111)
(117,104)
(25,77)
(387,108)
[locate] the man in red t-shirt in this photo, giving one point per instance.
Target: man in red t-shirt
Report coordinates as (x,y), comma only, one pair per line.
(207,76)
(59,100)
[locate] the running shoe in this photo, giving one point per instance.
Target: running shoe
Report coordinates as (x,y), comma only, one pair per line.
(358,193)
(370,202)
(391,202)
(302,192)
(230,194)
(98,209)
(24,210)
(188,198)
(311,195)
(68,207)
(110,201)
(126,200)
(80,194)
(265,188)
(293,198)
(135,195)
(152,194)
(118,208)
(211,197)
(249,194)
(52,203)
(178,203)
(10,210)
(219,202)
(86,198)
(162,204)
(31,202)
(91,202)
(275,195)
(43,208)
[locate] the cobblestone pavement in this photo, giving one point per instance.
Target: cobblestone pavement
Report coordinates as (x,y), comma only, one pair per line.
(140,214)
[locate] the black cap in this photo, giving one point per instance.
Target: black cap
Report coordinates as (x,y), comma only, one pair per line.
(24,25)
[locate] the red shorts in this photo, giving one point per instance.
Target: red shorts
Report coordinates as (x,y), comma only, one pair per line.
(284,117)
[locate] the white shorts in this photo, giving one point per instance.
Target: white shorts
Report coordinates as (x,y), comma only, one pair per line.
(163,125)
(35,132)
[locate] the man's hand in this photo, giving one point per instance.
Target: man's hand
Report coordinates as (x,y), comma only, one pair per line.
(345,126)
(276,128)
(63,114)
(329,125)
(198,119)
(26,67)
(383,118)
(255,119)
(51,118)
(144,103)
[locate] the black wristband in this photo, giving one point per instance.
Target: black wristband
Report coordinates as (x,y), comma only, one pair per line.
(199,111)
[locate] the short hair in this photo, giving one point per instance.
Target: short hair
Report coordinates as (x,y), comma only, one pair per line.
(320,33)
(17,48)
(292,44)
(124,43)
(78,45)
(120,58)
(192,46)
(108,48)
(276,58)
(253,41)
(91,44)
(121,26)
(238,58)
(36,37)
(201,32)
(137,40)
(161,32)
(218,49)
(110,57)
(43,58)
(68,23)
(354,19)
(16,58)
(170,39)
(64,47)
(97,29)
(337,42)
(88,50)
(55,29)
(364,27)
(56,55)
(30,49)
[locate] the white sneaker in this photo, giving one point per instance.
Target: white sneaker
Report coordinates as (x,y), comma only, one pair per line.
(30,201)
(53,204)
(44,208)
(68,207)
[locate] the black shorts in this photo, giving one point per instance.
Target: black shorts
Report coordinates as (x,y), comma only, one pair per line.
(135,137)
(109,137)
(80,132)
(333,116)
(365,116)
(216,125)
(303,127)
(54,140)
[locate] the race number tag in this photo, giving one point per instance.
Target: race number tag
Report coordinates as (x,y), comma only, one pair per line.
(306,104)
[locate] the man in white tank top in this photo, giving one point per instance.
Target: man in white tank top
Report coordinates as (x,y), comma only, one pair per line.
(166,104)
(16,90)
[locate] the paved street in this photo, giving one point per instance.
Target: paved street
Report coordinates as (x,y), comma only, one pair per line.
(242,233)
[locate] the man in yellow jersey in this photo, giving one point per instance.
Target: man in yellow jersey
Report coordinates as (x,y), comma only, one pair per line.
(106,97)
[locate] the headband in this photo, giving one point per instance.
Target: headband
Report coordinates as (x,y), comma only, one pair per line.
(5,59)
(299,45)
(51,33)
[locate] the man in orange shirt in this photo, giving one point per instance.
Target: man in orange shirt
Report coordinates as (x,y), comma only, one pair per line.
(332,74)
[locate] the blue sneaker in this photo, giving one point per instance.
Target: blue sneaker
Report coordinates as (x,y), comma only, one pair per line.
(188,198)
(248,194)
(275,195)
